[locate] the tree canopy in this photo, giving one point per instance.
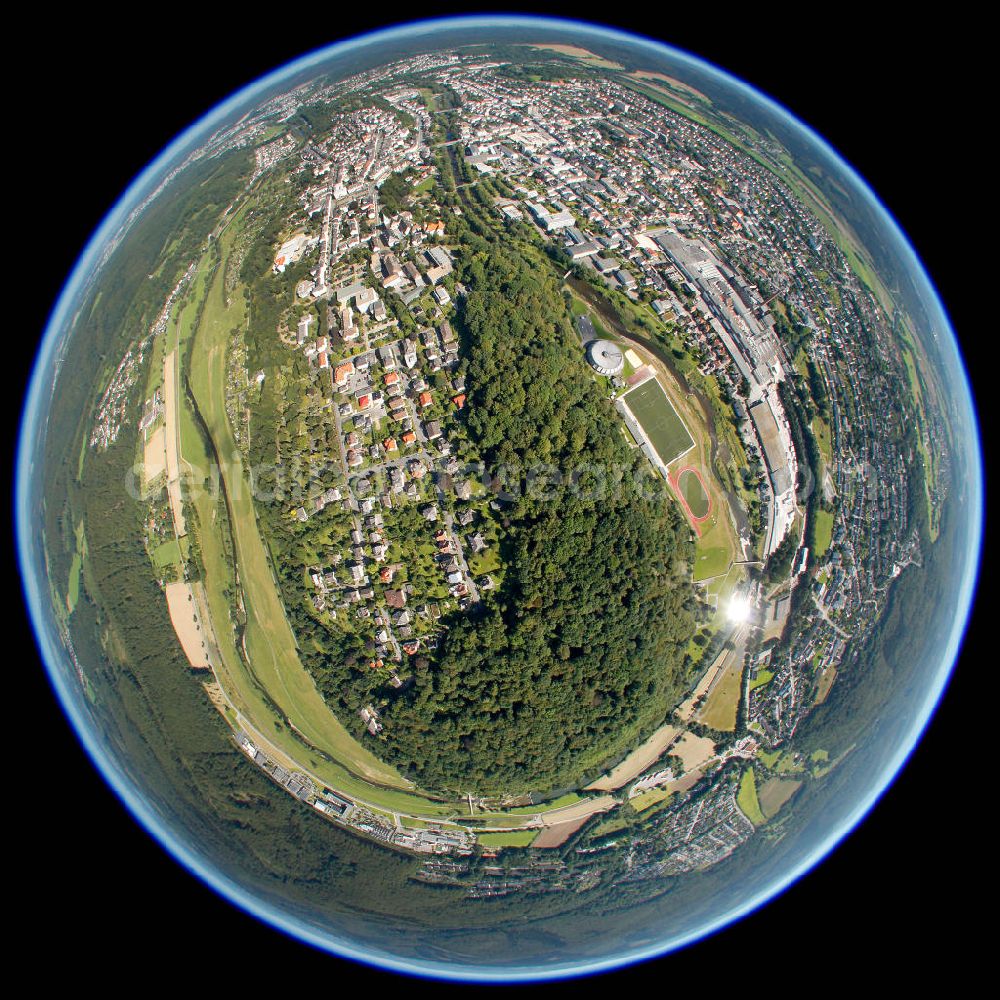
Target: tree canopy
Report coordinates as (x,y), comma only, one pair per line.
(580,651)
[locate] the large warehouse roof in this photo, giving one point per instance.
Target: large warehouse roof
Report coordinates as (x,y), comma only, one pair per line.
(770,439)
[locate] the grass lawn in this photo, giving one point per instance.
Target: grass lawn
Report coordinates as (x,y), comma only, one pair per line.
(515,838)
(824,440)
(746,799)
(76,568)
(73,588)
(715,548)
(612,825)
(720,708)
(658,418)
(722,587)
(482,563)
(824,532)
(762,678)
(710,561)
(167,554)
(646,799)
(788,765)
(693,493)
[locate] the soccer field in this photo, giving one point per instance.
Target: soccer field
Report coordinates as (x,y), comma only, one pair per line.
(664,428)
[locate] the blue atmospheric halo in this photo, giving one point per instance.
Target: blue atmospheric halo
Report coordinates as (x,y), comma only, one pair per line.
(858,801)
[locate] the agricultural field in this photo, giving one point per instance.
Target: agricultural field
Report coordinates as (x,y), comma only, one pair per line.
(553,836)
(824,683)
(774,793)
(575,52)
(184,617)
(723,700)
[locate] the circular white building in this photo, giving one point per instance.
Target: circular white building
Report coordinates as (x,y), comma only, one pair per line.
(606,357)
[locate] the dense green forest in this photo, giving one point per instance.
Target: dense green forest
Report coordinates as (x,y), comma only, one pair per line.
(580,651)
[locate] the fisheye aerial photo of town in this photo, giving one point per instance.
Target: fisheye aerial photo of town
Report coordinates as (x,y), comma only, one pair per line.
(523,453)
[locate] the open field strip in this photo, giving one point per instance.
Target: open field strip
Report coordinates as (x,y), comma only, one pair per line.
(516,839)
(823,531)
(722,703)
(649,798)
(583,809)
(184,618)
(637,761)
(498,821)
(268,639)
(774,793)
(554,836)
(563,800)
(722,697)
(672,83)
(75,569)
(154,456)
(575,52)
(172,443)
(711,677)
(693,751)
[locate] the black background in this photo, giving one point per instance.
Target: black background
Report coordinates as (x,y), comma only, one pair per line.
(899,99)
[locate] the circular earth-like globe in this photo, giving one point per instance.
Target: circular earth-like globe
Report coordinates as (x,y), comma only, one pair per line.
(499,498)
